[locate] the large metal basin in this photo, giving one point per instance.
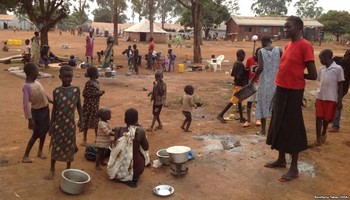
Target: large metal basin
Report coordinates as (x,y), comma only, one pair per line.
(74,181)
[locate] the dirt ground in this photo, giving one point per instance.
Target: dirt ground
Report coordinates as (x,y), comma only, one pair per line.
(215,173)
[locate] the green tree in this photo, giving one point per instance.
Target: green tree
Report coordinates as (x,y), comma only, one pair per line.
(167,9)
(196,7)
(214,13)
(44,14)
(138,6)
(308,9)
(72,21)
(117,7)
(232,6)
(102,15)
(79,11)
(7,5)
(336,22)
(270,7)
(2,9)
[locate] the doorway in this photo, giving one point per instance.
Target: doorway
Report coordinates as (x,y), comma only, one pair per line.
(143,37)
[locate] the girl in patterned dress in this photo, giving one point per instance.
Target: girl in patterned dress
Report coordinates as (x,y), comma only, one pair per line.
(66,99)
(91,94)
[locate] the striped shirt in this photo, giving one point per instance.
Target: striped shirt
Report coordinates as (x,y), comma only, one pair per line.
(159,93)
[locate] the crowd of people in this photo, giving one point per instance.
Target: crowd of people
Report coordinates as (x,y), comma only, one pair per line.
(280,78)
(279,74)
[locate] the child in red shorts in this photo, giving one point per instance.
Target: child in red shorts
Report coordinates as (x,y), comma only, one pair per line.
(329,95)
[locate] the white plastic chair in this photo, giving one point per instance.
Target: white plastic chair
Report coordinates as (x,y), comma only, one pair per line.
(219,60)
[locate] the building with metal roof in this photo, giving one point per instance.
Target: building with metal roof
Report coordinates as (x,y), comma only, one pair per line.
(240,27)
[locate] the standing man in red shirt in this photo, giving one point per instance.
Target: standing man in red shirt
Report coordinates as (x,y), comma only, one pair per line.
(150,53)
(287,132)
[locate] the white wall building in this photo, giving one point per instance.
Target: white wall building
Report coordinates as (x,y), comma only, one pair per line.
(11,21)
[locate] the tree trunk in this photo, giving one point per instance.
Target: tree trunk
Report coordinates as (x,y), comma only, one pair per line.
(44,38)
(337,35)
(197,28)
(115,23)
(151,6)
(115,28)
(206,33)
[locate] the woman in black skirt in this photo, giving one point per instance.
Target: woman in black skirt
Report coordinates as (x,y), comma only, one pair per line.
(287,132)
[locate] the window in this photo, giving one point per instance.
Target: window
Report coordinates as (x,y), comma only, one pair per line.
(247,29)
(265,29)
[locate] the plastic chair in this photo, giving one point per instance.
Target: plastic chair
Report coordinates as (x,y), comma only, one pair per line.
(214,63)
(219,60)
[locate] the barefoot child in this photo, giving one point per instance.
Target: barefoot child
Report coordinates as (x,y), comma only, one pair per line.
(66,99)
(187,105)
(26,54)
(240,75)
(103,139)
(329,96)
(91,94)
(135,58)
(36,110)
(129,55)
(158,96)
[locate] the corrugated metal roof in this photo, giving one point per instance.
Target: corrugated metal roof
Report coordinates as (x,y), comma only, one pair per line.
(6,17)
(270,21)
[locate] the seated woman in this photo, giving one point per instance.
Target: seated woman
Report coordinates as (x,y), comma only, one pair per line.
(124,166)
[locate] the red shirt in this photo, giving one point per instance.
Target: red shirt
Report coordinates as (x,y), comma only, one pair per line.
(249,66)
(151,47)
(290,73)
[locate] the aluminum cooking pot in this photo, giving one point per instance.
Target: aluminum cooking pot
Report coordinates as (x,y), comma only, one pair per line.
(74,181)
(178,154)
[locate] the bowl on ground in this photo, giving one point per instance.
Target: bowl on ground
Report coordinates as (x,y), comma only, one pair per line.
(163,156)
(74,181)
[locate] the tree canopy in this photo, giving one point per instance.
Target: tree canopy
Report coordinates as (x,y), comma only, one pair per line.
(308,9)
(336,22)
(79,11)
(138,6)
(117,7)
(167,9)
(45,14)
(232,6)
(72,21)
(214,13)
(270,7)
(102,15)
(196,7)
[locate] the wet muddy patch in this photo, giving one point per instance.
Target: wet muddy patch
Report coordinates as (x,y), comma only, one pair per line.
(232,143)
(245,145)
